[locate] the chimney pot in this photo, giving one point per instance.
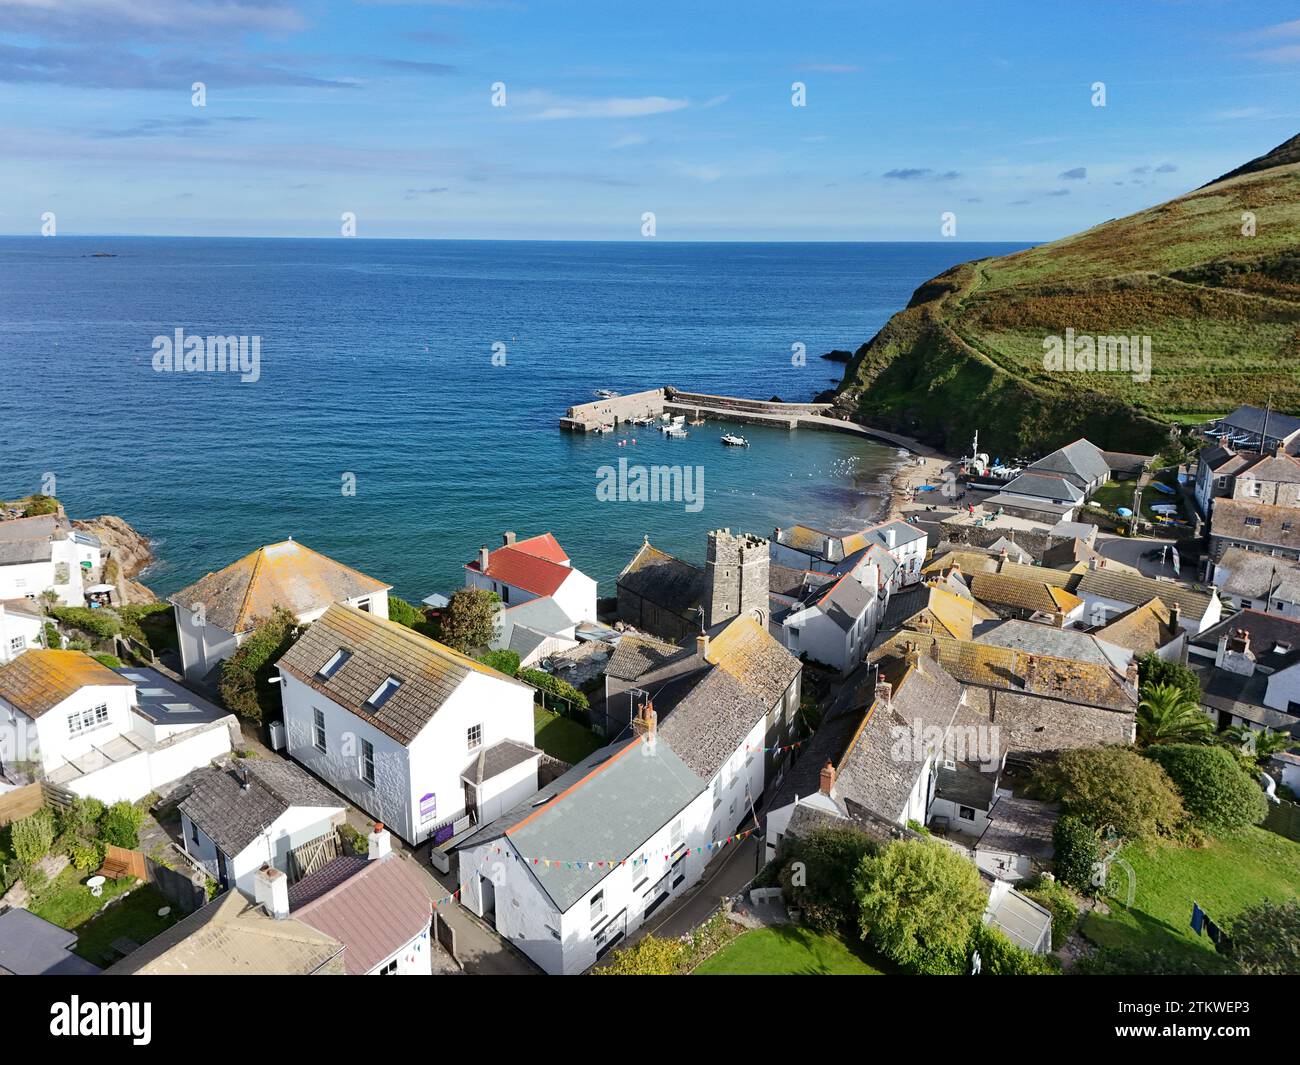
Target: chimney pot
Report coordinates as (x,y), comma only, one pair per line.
(507,539)
(828,779)
(271,892)
(381,843)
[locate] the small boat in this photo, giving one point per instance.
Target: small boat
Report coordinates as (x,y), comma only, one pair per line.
(732,440)
(696,421)
(603,429)
(605,393)
(675,430)
(643,421)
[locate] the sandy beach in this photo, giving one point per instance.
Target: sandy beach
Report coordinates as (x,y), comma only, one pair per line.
(918,470)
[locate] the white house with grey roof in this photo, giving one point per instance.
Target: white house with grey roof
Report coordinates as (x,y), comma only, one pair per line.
(21,627)
(262,811)
(833,620)
(421,737)
(44,553)
(803,547)
(1249,580)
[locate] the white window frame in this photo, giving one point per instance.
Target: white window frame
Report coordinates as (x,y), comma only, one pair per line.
(367,757)
(91,719)
(318,738)
(474,737)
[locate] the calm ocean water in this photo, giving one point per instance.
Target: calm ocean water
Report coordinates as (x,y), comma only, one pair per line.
(376,361)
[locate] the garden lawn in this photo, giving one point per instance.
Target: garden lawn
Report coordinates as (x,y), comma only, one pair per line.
(1224,877)
(789,950)
(561,738)
(134,917)
(68,903)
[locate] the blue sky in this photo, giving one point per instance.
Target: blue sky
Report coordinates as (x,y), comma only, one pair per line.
(383,108)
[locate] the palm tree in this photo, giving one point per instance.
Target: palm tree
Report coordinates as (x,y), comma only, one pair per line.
(1254,745)
(1167,714)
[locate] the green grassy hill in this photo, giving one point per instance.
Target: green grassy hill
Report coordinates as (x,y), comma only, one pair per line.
(1222,309)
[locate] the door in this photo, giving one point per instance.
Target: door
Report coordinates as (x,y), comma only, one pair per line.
(488,893)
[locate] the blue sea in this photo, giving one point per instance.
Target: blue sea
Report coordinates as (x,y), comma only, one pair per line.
(377,373)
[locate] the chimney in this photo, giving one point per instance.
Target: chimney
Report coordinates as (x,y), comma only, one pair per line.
(913,655)
(1092,562)
(381,843)
(934,650)
(1222,651)
(1240,641)
(1175,617)
(702,645)
(1131,673)
(646,720)
(1003,553)
(1279,450)
(244,782)
(271,892)
(507,539)
(828,779)
(884,693)
(956,570)
(1058,619)
(1031,671)
(891,538)
(483,559)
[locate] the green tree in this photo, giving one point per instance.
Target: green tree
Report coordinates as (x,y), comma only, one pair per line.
(1266,939)
(120,825)
(1113,786)
(916,897)
(1219,795)
(32,837)
(1167,714)
(814,875)
(1255,746)
(1154,670)
(503,661)
(469,621)
(245,677)
(404,613)
(1076,851)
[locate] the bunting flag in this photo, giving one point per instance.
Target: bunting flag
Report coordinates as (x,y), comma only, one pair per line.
(610,863)
(453,897)
(787,747)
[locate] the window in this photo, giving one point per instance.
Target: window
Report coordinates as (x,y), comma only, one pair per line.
(363,604)
(17,644)
(966,813)
(368,762)
(383,693)
(717,791)
(675,835)
(390,969)
(194,832)
(318,730)
(334,664)
(83,721)
(474,737)
(597,906)
(679,870)
(1252,523)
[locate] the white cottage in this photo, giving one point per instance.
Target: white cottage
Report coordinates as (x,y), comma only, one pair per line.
(535,568)
(21,626)
(108,734)
(216,614)
(43,553)
(421,737)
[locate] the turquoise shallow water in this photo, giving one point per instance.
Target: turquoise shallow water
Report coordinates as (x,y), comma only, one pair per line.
(376,361)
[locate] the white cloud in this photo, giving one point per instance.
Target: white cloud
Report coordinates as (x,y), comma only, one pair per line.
(556,107)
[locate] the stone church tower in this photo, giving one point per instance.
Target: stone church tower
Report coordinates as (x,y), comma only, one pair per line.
(735,578)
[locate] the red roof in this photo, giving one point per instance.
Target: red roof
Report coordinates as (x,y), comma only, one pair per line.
(529,565)
(373,908)
(544,546)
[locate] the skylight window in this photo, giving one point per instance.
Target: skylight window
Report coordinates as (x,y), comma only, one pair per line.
(334,664)
(383,693)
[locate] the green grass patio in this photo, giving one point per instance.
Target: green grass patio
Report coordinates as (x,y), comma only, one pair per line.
(1224,877)
(789,950)
(561,738)
(133,913)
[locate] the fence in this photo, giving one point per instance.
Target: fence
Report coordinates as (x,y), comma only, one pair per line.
(1284,819)
(446,936)
(178,888)
(20,803)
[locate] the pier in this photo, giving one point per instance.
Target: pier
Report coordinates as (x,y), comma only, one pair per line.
(655,402)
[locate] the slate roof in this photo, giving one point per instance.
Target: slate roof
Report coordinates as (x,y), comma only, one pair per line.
(1020,826)
(1252,575)
(662,579)
(32,946)
(38,680)
(637,654)
(1081,462)
(374,907)
(1261,523)
(497,759)
(843,599)
(606,807)
(233,817)
(966,785)
(429,671)
(287,574)
(1242,696)
(1267,631)
(1041,485)
(1000,589)
(947,612)
(1038,639)
(705,715)
(985,665)
(1250,419)
(232,936)
(1135,590)
(26,540)
(1142,629)
(528,625)
(871,770)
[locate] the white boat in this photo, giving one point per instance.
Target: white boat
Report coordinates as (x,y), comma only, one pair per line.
(609,428)
(605,393)
(675,430)
(643,421)
(732,440)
